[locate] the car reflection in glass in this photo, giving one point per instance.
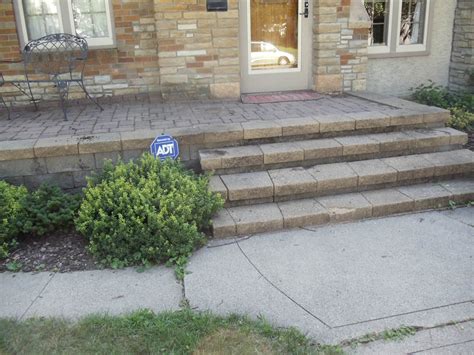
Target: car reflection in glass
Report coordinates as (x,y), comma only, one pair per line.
(267,54)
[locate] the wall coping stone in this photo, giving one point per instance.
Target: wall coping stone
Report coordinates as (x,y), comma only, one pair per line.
(196,135)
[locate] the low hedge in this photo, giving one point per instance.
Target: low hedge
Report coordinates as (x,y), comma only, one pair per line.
(44,210)
(11,215)
(145,212)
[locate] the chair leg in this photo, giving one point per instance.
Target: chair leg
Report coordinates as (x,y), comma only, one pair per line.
(81,84)
(2,101)
(32,98)
(63,91)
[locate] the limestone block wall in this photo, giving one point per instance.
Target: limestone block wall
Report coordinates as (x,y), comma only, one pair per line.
(461,72)
(339,45)
(198,50)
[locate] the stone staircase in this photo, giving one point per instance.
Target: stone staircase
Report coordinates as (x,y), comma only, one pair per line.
(309,171)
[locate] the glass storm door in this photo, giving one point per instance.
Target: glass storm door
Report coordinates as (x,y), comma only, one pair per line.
(275,45)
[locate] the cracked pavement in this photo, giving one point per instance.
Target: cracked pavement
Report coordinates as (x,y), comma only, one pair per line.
(333,283)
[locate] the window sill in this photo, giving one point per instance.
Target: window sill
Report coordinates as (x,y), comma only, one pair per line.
(398,54)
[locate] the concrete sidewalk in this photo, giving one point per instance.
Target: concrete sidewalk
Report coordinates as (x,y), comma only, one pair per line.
(334,283)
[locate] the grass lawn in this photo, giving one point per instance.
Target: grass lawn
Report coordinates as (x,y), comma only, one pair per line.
(143,332)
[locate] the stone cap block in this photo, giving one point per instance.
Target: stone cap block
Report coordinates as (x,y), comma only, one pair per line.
(56,146)
(223,225)
(301,213)
(139,139)
(388,201)
(346,207)
(261,129)
(257,218)
(223,133)
(20,149)
(299,126)
(248,186)
(99,143)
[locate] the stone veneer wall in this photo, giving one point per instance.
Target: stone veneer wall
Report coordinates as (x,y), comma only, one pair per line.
(130,68)
(461,72)
(339,45)
(180,49)
(199,50)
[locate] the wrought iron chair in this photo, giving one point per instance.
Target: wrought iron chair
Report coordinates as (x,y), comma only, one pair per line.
(62,58)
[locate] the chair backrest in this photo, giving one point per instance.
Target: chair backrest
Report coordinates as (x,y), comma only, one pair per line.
(56,54)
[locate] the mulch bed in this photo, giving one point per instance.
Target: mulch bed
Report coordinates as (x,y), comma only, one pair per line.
(62,251)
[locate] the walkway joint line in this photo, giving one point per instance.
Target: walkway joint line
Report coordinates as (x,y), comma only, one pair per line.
(442,346)
(403,314)
(38,296)
(279,290)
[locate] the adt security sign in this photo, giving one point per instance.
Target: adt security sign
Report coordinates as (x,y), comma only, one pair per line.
(164,147)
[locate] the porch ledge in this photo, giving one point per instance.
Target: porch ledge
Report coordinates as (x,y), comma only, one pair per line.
(216,135)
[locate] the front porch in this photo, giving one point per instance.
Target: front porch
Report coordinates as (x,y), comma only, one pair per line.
(38,147)
(145,112)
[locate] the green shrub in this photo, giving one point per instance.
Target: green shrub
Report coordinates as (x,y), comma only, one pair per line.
(461,119)
(145,211)
(461,105)
(48,209)
(11,215)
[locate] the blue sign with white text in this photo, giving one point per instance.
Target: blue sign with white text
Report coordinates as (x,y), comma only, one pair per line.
(164,147)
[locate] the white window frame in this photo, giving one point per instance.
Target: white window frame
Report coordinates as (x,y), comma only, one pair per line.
(419,47)
(66,23)
(379,49)
(393,47)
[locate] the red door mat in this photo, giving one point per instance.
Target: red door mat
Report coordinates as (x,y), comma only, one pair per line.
(282,96)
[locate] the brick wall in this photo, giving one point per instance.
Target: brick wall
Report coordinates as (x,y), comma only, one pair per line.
(131,68)
(461,72)
(199,50)
(340,46)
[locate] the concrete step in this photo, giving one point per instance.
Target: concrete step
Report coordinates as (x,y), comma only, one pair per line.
(320,180)
(245,220)
(329,150)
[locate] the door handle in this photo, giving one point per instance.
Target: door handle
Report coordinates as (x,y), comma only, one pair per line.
(305,13)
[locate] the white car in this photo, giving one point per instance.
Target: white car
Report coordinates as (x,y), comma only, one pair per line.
(264,53)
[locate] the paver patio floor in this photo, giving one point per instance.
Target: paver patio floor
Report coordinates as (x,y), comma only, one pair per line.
(148,112)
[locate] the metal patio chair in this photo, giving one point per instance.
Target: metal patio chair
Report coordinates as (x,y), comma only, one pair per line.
(61,59)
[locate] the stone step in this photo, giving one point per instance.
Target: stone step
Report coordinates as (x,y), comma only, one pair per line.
(329,150)
(245,220)
(326,125)
(300,182)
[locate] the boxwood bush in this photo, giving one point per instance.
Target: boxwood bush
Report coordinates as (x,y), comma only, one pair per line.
(11,215)
(145,212)
(48,209)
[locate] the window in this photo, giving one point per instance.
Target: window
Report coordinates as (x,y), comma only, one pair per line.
(378,13)
(398,26)
(91,19)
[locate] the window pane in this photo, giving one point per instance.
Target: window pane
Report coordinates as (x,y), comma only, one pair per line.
(41,18)
(378,13)
(413,17)
(274,34)
(90,18)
